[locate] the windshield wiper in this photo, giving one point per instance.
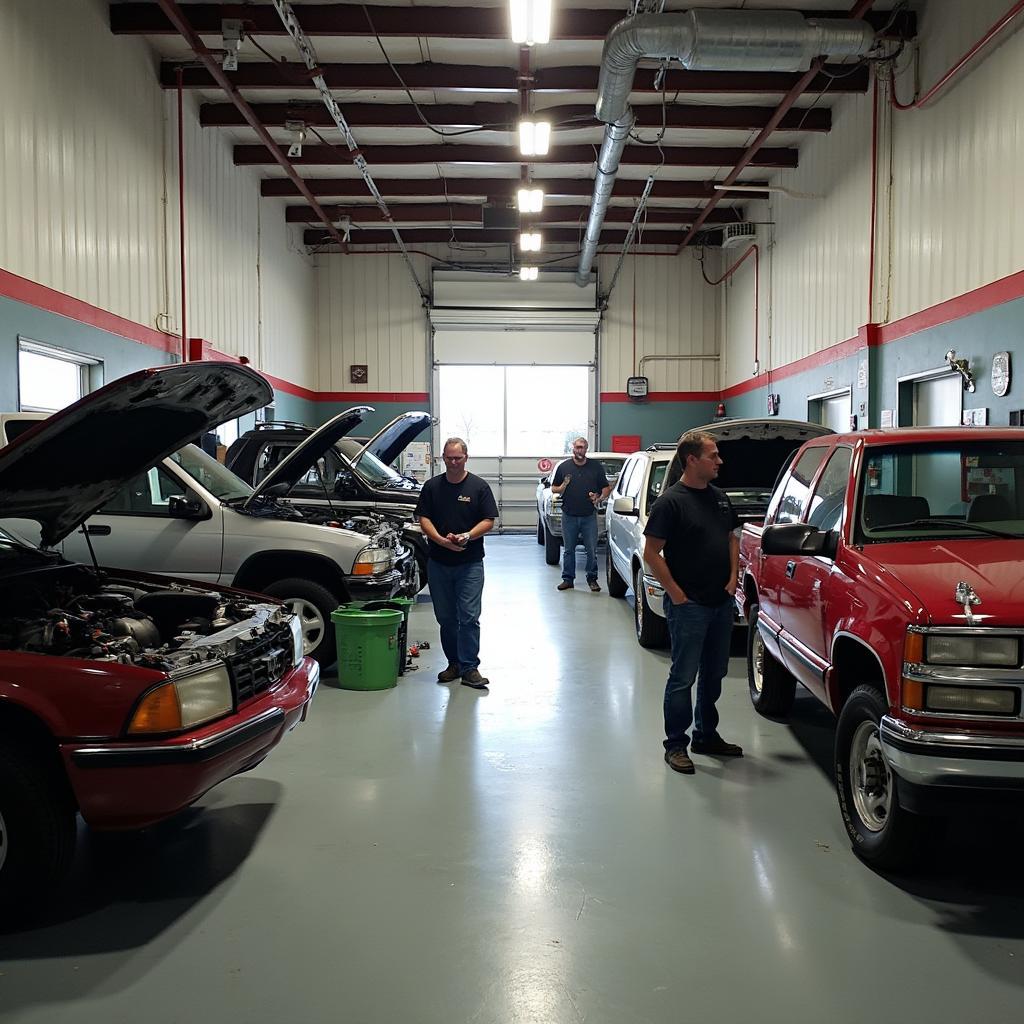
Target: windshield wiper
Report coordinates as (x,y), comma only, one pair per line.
(959,523)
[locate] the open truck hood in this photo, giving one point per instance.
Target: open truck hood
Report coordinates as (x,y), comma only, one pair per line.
(67,466)
(390,442)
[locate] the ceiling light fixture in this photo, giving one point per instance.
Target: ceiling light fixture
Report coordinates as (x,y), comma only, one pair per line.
(530,241)
(527,273)
(534,138)
(530,200)
(531,21)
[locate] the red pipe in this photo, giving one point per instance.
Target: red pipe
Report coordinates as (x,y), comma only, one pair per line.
(990,34)
(874,203)
(181,211)
(757,287)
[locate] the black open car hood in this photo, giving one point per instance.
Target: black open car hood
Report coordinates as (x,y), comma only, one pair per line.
(390,442)
(298,462)
(60,471)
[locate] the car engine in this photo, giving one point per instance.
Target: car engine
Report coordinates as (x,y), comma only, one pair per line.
(76,612)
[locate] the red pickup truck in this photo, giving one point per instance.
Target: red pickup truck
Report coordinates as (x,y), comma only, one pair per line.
(888,579)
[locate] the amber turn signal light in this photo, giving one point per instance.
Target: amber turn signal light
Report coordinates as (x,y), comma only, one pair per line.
(159,711)
(913,648)
(912,695)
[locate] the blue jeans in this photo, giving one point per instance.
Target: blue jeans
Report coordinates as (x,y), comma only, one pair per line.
(457,592)
(579,530)
(700,635)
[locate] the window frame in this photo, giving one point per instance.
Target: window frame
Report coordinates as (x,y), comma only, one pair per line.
(90,370)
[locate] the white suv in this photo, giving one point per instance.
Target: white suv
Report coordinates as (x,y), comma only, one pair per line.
(753,453)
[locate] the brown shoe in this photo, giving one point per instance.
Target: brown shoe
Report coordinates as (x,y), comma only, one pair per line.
(594,586)
(679,761)
(565,585)
(449,675)
(717,747)
(474,679)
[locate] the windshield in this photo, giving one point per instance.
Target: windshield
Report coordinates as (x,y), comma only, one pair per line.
(210,474)
(612,468)
(921,492)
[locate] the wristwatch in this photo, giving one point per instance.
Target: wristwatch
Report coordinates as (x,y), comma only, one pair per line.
(465,538)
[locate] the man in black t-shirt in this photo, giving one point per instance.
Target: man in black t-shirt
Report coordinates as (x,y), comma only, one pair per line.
(693,552)
(582,484)
(455,511)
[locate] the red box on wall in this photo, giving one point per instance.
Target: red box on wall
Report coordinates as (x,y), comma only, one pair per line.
(625,443)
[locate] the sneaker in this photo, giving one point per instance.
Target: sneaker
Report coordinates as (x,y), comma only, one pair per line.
(679,761)
(449,675)
(565,585)
(717,746)
(594,586)
(474,679)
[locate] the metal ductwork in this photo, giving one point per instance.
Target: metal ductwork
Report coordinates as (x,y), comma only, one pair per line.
(701,40)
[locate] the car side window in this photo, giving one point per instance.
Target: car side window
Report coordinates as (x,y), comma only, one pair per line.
(636,480)
(623,482)
(146,494)
(794,498)
(826,504)
(655,482)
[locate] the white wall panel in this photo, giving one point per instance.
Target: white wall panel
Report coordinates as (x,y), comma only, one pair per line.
(676,314)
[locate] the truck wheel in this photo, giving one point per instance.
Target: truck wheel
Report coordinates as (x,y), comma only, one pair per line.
(882,833)
(37,828)
(616,584)
(772,688)
(552,547)
(313,604)
(651,630)
(540,529)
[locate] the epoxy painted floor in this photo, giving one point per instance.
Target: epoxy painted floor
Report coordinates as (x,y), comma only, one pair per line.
(434,854)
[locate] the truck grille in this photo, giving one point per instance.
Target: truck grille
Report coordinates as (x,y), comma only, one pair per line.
(260,665)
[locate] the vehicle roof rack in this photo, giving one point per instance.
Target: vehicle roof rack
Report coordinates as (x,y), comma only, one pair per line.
(662,446)
(283,424)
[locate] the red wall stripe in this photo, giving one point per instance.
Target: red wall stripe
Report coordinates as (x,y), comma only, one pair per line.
(662,396)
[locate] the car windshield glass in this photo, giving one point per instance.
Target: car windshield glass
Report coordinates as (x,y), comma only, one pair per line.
(612,469)
(924,491)
(374,471)
(210,474)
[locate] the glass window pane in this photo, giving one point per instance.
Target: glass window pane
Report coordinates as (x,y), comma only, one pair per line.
(794,500)
(472,406)
(548,408)
(46,383)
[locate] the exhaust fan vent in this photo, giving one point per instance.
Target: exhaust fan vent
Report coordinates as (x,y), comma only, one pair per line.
(738,234)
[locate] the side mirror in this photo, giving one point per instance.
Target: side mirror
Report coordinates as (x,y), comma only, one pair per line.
(797,539)
(624,507)
(185,508)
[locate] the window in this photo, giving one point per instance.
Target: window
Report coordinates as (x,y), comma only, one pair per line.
(146,494)
(656,483)
(623,482)
(514,410)
(827,501)
(794,498)
(50,378)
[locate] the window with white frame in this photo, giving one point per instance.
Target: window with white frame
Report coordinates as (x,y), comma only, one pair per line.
(51,378)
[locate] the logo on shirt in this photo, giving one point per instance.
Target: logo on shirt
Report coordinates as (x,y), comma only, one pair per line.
(464,497)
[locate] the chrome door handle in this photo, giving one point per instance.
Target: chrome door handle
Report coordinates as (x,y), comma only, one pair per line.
(98,531)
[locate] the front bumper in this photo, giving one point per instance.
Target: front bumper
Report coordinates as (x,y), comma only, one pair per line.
(655,595)
(554,524)
(379,587)
(131,784)
(954,760)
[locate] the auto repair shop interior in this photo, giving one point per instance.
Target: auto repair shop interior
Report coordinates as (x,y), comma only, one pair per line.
(259,261)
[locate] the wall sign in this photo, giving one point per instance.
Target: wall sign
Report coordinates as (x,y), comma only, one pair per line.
(626,443)
(637,388)
(1000,374)
(358,373)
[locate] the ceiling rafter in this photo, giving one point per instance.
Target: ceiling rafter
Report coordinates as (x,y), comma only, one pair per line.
(483,236)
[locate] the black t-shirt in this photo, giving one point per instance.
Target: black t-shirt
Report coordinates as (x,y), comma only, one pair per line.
(588,477)
(695,524)
(456,508)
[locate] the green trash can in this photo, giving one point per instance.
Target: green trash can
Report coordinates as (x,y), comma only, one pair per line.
(400,604)
(368,651)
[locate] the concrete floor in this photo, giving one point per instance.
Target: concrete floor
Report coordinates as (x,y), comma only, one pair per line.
(434,854)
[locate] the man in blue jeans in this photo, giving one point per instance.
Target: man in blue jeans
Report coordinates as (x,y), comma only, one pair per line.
(582,484)
(693,552)
(456,509)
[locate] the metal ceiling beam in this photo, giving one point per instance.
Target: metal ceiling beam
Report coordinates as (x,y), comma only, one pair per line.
(458,115)
(477,236)
(425,22)
(463,213)
(643,156)
(294,78)
(493,187)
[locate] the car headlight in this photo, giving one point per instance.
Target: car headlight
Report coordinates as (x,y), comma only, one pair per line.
(184,701)
(971,700)
(372,560)
(972,650)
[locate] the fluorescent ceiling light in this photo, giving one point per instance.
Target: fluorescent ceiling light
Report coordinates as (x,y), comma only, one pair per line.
(531,21)
(529,241)
(534,138)
(530,200)
(527,273)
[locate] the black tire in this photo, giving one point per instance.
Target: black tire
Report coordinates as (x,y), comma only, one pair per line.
(883,833)
(651,628)
(617,586)
(37,828)
(540,529)
(304,596)
(772,688)
(552,547)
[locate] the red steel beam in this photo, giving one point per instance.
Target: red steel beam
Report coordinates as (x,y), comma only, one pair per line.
(644,156)
(473,236)
(293,77)
(463,115)
(274,153)
(426,22)
(493,187)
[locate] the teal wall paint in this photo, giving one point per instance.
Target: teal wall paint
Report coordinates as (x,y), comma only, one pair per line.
(384,413)
(298,410)
(653,421)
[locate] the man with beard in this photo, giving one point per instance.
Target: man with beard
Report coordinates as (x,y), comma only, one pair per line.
(582,484)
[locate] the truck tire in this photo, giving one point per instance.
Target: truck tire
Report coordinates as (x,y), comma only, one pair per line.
(552,547)
(540,530)
(313,603)
(37,828)
(617,586)
(651,629)
(883,833)
(772,688)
